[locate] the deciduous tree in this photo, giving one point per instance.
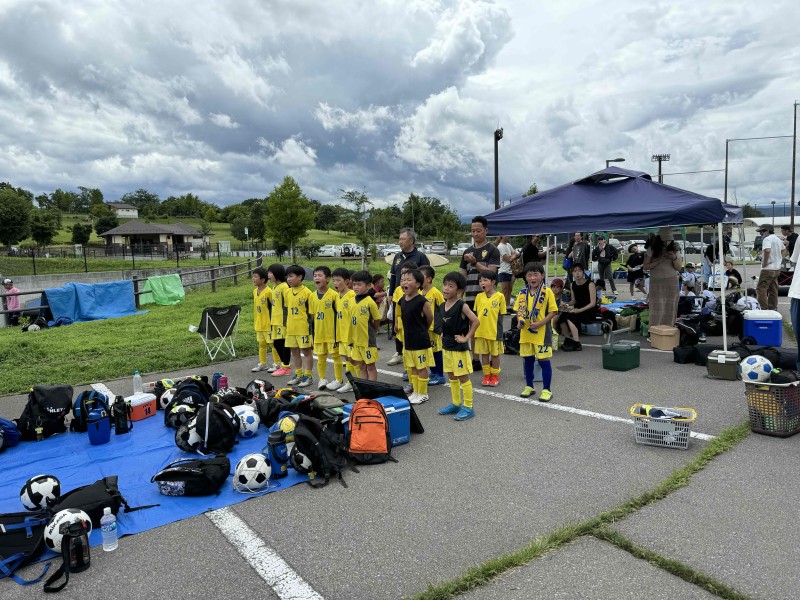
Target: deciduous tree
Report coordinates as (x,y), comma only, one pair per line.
(15,216)
(289,214)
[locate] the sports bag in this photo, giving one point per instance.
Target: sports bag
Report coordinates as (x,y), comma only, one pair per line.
(368,438)
(193,476)
(95,497)
(511,341)
(9,434)
(324,448)
(44,414)
(21,542)
(684,355)
(689,334)
(270,407)
(217,425)
(85,403)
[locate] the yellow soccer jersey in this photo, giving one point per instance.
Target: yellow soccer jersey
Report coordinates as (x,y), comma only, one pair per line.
(296,301)
(536,306)
(324,313)
(261,307)
(435,298)
(343,317)
(362,314)
(398,293)
(278,307)
(489,311)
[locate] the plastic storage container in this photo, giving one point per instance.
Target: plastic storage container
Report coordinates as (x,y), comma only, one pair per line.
(764,326)
(723,365)
(142,406)
(398,411)
(664,337)
(670,432)
(595,328)
(621,356)
(773,408)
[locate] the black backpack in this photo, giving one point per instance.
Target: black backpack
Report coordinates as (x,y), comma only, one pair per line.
(689,333)
(217,426)
(193,476)
(85,403)
(9,434)
(95,497)
(270,407)
(324,448)
(511,341)
(189,397)
(47,407)
(21,542)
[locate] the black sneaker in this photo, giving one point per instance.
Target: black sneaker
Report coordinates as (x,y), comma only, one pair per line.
(577,347)
(476,364)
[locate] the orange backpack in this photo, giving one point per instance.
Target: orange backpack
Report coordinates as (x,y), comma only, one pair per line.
(368,437)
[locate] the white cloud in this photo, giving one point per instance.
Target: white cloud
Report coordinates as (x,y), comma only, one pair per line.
(368,120)
(223,120)
(292,154)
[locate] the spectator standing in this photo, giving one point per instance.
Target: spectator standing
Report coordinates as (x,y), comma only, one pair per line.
(605,254)
(662,260)
(11,302)
(531,252)
(635,272)
(771,257)
(794,303)
(505,276)
(791,239)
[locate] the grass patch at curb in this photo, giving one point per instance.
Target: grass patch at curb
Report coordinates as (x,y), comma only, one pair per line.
(482,574)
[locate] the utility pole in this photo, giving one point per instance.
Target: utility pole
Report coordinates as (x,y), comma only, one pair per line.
(498,135)
(659,158)
(794,162)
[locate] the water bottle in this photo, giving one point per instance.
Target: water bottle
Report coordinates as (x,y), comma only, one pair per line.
(215,381)
(108,525)
(223,382)
(137,383)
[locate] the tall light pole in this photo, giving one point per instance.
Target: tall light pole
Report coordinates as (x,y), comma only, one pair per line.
(498,135)
(773,214)
(659,158)
(794,162)
(610,160)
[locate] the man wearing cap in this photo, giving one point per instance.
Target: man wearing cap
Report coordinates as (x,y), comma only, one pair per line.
(772,250)
(11,302)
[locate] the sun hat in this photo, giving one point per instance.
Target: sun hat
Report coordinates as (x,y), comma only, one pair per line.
(557,281)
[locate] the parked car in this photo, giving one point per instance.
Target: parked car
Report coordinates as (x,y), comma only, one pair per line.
(460,249)
(439,248)
(390,249)
(330,250)
(349,249)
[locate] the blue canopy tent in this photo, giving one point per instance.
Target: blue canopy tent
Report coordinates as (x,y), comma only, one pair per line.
(613,199)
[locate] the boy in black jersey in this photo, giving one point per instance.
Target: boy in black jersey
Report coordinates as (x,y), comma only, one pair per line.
(458,324)
(417,316)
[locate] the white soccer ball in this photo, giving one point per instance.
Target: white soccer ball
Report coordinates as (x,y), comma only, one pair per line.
(299,461)
(252,474)
(33,327)
(166,398)
(41,491)
(248,421)
(57,527)
(179,415)
(755,369)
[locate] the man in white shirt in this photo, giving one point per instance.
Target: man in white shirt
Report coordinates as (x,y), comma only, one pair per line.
(772,249)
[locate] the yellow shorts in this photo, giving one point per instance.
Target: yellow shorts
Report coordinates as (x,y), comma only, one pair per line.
(278,332)
(344,349)
(491,347)
(540,351)
(417,359)
(331,348)
(299,341)
(264,337)
(436,342)
(457,362)
(364,354)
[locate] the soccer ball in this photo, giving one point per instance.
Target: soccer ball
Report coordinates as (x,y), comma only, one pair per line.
(299,461)
(252,474)
(57,527)
(41,491)
(248,421)
(166,398)
(755,368)
(187,437)
(179,415)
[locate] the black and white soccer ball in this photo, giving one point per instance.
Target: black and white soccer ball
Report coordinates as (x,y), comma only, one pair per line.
(41,491)
(179,414)
(57,527)
(299,461)
(166,398)
(248,421)
(187,437)
(252,474)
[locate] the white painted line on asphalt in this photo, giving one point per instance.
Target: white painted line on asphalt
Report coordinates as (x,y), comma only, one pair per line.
(283,580)
(560,407)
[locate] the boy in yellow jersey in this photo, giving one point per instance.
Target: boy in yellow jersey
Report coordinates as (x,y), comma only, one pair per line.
(323,310)
(298,330)
(417,316)
(436,299)
(364,325)
(490,307)
(459,325)
(280,353)
(536,308)
(341,283)
(262,298)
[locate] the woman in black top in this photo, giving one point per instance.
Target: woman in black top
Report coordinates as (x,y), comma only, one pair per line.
(582,308)
(635,272)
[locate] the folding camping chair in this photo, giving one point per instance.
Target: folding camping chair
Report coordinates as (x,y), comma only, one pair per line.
(218,327)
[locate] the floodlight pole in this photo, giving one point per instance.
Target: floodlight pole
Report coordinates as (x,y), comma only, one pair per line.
(659,158)
(498,135)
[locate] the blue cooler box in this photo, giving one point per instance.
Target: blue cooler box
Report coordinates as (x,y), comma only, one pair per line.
(764,326)
(398,412)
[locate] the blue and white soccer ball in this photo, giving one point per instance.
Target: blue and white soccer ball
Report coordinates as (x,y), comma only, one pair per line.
(248,421)
(755,369)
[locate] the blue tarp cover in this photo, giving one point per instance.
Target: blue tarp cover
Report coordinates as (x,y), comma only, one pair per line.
(610,200)
(92,301)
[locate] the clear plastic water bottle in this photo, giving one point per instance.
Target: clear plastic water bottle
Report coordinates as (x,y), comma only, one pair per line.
(108,525)
(137,383)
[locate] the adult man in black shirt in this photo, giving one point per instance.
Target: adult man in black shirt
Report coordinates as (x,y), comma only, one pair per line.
(481,256)
(791,238)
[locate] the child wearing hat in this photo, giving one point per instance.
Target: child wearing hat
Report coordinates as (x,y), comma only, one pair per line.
(689,279)
(11,302)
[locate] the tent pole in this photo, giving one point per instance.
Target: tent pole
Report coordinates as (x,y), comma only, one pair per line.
(744,262)
(720,258)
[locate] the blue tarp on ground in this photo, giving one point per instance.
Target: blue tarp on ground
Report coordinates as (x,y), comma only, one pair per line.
(92,301)
(134,457)
(610,200)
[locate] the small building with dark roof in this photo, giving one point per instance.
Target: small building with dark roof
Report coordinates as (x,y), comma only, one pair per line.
(124,210)
(168,236)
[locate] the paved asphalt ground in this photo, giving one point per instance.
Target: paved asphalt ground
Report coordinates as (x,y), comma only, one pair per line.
(464,493)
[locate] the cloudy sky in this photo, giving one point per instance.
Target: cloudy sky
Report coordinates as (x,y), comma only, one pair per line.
(223,99)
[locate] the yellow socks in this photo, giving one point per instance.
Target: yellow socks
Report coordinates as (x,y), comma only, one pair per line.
(322,366)
(494,371)
(455,392)
(467,389)
(308,373)
(487,369)
(337,369)
(423,386)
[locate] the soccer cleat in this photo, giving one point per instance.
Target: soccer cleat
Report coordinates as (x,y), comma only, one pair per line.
(405,375)
(527,392)
(412,397)
(305,381)
(258,367)
(437,380)
(545,396)
(323,384)
(464,414)
(487,380)
(450,409)
(577,347)
(494,381)
(345,389)
(333,385)
(417,398)
(273,368)
(282,371)
(395,360)
(294,380)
